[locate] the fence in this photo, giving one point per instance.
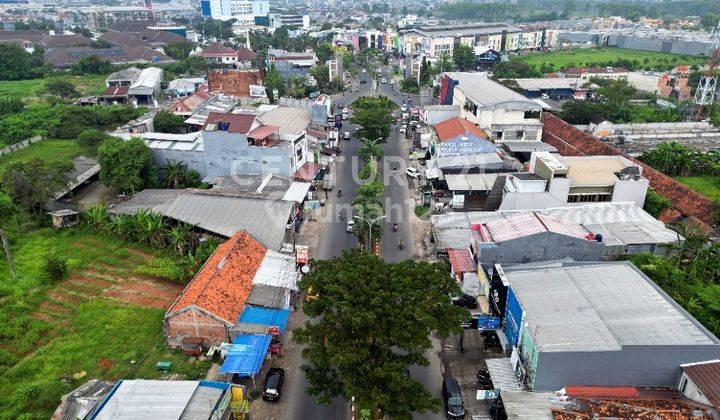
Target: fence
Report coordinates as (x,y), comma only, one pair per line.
(17,146)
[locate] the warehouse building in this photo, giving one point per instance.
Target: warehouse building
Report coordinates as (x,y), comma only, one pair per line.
(604,324)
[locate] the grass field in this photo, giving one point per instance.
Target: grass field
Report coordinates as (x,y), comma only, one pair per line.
(102,322)
(709,186)
(35,88)
(48,150)
(601,57)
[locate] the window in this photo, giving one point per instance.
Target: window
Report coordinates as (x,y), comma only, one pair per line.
(519,134)
(683,385)
(497,135)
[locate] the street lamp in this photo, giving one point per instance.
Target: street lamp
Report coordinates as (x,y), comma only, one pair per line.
(370,224)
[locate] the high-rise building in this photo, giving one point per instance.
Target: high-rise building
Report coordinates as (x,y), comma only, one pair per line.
(244,11)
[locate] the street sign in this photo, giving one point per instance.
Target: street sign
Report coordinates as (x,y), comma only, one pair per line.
(486,322)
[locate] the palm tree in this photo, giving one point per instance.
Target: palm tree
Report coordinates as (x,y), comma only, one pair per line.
(180,237)
(175,174)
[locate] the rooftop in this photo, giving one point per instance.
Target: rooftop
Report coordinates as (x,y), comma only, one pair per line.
(223,284)
(267,186)
(542,83)
(462,261)
(490,94)
(289,120)
(455,127)
(591,171)
(437,31)
(236,123)
(526,224)
(706,376)
(600,307)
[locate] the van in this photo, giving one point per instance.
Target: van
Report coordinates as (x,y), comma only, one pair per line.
(454,407)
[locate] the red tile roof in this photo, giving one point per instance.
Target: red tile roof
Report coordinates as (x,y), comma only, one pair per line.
(263,131)
(239,123)
(456,126)
(307,172)
(193,101)
(223,284)
(246,54)
(706,376)
(217,49)
(570,141)
(233,82)
(462,261)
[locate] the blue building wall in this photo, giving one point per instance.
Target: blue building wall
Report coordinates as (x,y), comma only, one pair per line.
(513,318)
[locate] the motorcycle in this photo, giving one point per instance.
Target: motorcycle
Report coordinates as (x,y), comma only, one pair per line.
(394,227)
(340,215)
(339,192)
(401,245)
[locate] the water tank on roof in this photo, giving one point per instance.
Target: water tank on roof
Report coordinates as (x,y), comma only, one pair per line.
(223,126)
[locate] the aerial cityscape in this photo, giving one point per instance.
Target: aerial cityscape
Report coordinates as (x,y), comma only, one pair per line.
(331,210)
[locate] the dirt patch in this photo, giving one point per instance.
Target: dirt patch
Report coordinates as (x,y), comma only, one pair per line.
(85,291)
(51,319)
(96,283)
(53,307)
(140,253)
(63,296)
(105,363)
(159,291)
(100,275)
(129,296)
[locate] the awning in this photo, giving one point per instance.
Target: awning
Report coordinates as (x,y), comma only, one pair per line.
(307,172)
(470,182)
(246,354)
(462,261)
(297,192)
(502,374)
(269,317)
(263,132)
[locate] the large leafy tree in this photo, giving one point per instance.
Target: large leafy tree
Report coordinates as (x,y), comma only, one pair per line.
(368,206)
(92,65)
(374,117)
(126,165)
(178,50)
(62,89)
(91,139)
(464,57)
(31,184)
(374,320)
(274,82)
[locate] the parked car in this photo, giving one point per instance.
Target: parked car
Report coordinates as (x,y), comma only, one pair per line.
(465,301)
(364,71)
(363,81)
(412,172)
(403,130)
(454,406)
(350,225)
(392,81)
(383,81)
(273,384)
(346,135)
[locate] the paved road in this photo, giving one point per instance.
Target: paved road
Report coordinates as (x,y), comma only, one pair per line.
(335,239)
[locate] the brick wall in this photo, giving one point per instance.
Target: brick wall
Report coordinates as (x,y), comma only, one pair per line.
(233,82)
(195,323)
(571,141)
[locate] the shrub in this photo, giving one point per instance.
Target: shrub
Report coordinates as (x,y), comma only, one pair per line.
(55,267)
(177,270)
(655,203)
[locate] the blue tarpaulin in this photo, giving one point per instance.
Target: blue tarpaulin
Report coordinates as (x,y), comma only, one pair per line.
(246,354)
(265,316)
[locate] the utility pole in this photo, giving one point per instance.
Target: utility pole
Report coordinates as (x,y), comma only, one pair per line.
(8,254)
(707,85)
(370,223)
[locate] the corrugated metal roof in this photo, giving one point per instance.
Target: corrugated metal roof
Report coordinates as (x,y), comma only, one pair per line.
(491,94)
(462,261)
(246,355)
(599,307)
(202,404)
(269,317)
(269,296)
(527,405)
(297,192)
(502,374)
(470,182)
(144,399)
(277,270)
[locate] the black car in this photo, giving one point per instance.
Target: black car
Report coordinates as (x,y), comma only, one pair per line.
(273,384)
(363,81)
(454,407)
(465,301)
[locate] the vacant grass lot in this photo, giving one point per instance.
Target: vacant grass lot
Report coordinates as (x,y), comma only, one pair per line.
(48,150)
(601,57)
(707,185)
(103,321)
(35,88)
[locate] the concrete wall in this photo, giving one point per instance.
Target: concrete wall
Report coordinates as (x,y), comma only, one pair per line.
(541,247)
(649,366)
(229,153)
(194,160)
(195,323)
(631,191)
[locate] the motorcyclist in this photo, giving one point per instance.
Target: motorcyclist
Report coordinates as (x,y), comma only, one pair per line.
(339,192)
(401,245)
(395,227)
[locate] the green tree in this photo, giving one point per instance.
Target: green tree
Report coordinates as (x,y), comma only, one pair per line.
(321,74)
(62,89)
(82,31)
(324,51)
(177,175)
(273,81)
(126,165)
(280,38)
(14,62)
(374,321)
(178,50)
(92,65)
(464,57)
(709,21)
(514,69)
(91,139)
(374,117)
(655,203)
(167,122)
(31,184)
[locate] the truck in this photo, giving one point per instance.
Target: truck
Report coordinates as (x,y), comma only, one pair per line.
(328,181)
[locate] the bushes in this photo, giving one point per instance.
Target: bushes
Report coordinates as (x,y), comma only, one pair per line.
(91,139)
(55,268)
(177,270)
(655,203)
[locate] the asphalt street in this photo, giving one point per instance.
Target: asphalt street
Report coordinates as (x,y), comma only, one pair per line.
(335,239)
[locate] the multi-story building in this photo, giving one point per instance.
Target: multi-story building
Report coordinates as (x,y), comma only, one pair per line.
(293,20)
(244,12)
(434,41)
(504,113)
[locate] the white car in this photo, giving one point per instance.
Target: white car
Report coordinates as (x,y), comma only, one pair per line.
(345,110)
(349,226)
(412,172)
(403,130)
(346,135)
(364,71)
(383,81)
(392,81)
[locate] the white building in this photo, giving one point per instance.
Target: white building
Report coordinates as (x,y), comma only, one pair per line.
(505,114)
(276,20)
(243,11)
(556,181)
(146,89)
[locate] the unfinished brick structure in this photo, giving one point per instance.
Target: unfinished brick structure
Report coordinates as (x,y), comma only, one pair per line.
(571,141)
(233,82)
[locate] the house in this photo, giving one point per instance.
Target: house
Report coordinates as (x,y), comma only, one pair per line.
(236,83)
(555,88)
(700,382)
(602,324)
(123,78)
(506,114)
(151,38)
(292,64)
(555,181)
(64,57)
(623,228)
(146,89)
(184,86)
(81,402)
(212,303)
(133,398)
(587,73)
(455,127)
(220,54)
